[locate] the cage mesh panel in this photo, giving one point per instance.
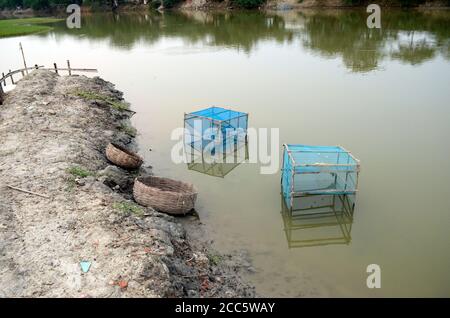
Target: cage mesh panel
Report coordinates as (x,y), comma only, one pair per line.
(318,170)
(215,129)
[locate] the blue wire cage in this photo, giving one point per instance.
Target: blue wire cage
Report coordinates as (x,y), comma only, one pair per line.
(317,170)
(215,129)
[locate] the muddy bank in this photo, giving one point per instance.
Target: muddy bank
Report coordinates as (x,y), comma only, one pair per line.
(343,4)
(15,13)
(53,135)
(204,5)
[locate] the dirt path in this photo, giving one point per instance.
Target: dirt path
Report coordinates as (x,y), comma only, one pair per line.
(53,133)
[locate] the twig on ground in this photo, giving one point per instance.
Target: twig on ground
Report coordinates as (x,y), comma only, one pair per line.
(29,192)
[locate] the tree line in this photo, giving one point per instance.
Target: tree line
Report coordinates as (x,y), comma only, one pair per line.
(248,4)
(46,4)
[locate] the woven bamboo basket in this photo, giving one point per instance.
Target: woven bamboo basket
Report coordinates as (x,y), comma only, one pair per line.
(165,195)
(123,157)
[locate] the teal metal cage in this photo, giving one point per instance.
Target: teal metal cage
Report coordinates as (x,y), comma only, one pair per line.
(317,170)
(215,129)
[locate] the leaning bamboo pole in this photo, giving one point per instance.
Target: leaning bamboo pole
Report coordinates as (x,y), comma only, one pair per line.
(1,94)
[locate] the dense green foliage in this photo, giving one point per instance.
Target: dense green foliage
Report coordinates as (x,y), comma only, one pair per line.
(170,3)
(45,4)
(403,3)
(155,4)
(247,4)
(38,4)
(411,3)
(10,3)
(353,2)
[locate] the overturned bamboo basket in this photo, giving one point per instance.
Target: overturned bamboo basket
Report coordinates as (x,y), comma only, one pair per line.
(165,195)
(123,157)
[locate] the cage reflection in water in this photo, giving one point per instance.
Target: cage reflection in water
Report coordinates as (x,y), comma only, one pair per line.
(318,220)
(216,164)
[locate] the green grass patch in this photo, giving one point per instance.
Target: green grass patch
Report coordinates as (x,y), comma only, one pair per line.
(89,95)
(215,259)
(117,105)
(128,208)
(79,172)
(130,131)
(120,106)
(75,173)
(16,27)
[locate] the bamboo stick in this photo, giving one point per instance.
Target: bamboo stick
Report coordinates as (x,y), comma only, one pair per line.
(29,192)
(72,69)
(4,77)
(12,79)
(1,94)
(23,57)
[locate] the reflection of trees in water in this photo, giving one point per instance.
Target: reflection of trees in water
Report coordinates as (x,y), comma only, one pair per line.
(411,37)
(345,34)
(413,51)
(240,31)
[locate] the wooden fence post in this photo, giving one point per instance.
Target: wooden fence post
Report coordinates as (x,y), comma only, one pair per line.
(12,79)
(4,82)
(56,68)
(68,66)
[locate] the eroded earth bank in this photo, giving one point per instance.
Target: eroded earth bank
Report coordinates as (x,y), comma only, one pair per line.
(53,132)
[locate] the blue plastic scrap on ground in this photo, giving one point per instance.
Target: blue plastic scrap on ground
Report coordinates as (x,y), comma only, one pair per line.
(85,265)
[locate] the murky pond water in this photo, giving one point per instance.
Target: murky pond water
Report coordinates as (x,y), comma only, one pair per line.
(321,78)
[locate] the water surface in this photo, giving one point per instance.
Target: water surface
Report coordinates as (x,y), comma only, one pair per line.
(322,78)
